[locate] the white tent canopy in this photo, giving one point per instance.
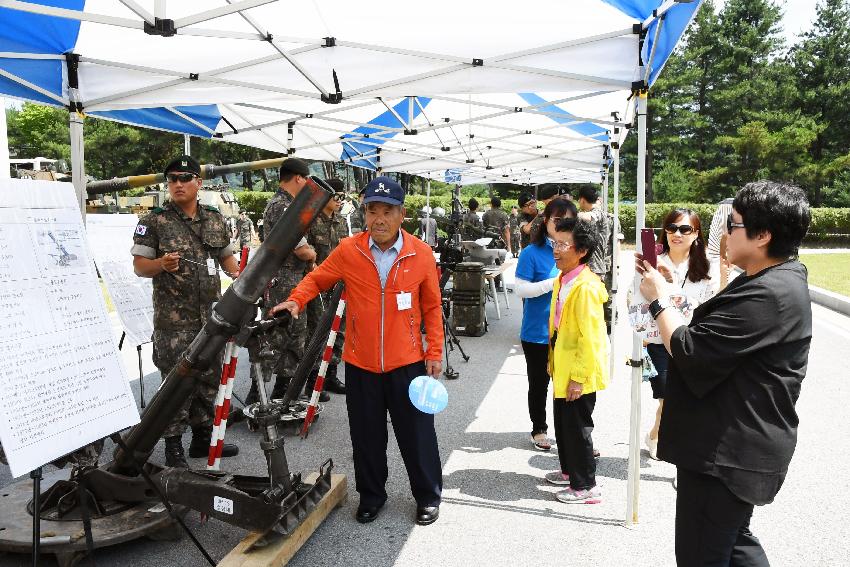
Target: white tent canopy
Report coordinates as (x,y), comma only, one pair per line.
(243,70)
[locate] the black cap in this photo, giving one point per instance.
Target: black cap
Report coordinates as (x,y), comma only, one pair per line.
(525,199)
(546,192)
(296,166)
(336,184)
(183,163)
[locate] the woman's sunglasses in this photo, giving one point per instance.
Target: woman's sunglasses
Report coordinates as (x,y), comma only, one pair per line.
(181,177)
(683,229)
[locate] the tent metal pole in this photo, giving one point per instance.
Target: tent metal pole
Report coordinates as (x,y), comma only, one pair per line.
(5,171)
(637,345)
(187,145)
(78,172)
(615,256)
(428,198)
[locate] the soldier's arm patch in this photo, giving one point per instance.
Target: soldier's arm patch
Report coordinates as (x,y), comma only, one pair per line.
(141,229)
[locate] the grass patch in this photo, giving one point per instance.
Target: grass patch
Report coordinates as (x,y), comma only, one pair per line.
(829,271)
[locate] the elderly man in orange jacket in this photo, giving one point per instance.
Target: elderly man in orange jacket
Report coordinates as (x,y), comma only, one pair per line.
(391,287)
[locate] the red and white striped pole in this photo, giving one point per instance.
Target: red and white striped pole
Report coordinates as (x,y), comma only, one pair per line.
(225,390)
(323,367)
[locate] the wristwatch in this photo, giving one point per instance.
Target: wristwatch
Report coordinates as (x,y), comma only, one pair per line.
(657,306)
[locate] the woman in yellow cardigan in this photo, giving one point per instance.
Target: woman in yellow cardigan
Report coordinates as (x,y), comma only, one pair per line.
(578,354)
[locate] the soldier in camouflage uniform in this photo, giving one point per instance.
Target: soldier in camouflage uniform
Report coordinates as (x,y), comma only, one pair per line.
(180,246)
(324,235)
(592,212)
(471,222)
(245,228)
(287,343)
(497,221)
(513,227)
(357,218)
(528,205)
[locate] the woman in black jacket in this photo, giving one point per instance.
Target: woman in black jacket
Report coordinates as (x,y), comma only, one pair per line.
(729,422)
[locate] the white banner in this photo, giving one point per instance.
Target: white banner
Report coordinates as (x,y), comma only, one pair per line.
(62,384)
(110,238)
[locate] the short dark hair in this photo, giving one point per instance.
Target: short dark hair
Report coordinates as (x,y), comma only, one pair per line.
(473,204)
(546,192)
(559,207)
(588,193)
(496,202)
(585,237)
(778,208)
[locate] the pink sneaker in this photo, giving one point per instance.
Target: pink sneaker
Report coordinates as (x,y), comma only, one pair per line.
(588,496)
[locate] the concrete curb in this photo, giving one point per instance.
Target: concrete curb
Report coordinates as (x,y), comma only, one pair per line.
(830,300)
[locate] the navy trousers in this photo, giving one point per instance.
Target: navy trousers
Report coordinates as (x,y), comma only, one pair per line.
(369,396)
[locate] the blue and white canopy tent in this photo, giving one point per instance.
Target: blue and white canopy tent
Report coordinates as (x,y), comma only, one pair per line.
(369,84)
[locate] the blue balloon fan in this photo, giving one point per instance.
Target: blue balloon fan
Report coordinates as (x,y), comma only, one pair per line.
(428,395)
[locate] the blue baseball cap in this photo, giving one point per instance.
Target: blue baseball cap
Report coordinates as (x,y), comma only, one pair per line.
(384,190)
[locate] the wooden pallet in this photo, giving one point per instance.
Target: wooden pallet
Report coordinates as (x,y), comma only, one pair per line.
(263,550)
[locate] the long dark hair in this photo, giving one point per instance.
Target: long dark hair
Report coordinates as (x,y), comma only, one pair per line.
(558,207)
(697,258)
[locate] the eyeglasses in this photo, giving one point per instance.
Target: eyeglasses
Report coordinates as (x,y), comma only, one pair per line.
(730,225)
(561,245)
(339,197)
(684,229)
(556,219)
(181,177)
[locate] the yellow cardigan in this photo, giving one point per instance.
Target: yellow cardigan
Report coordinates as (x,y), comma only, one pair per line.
(581,349)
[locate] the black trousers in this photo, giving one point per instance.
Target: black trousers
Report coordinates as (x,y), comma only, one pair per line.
(368,397)
(573,428)
(536,362)
(713,525)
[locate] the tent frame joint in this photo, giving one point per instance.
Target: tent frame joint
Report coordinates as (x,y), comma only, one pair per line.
(477,62)
(329,42)
(161,26)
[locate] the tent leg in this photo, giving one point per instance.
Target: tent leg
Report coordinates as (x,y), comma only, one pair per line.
(615,259)
(78,171)
(5,172)
(637,346)
(187,144)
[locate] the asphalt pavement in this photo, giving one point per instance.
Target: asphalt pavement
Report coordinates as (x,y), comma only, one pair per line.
(497,509)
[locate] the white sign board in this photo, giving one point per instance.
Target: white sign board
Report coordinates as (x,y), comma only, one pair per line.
(110,238)
(62,384)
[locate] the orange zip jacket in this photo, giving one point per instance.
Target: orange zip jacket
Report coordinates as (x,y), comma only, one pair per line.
(378,336)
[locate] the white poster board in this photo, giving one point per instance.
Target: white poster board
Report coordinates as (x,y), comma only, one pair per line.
(110,238)
(62,384)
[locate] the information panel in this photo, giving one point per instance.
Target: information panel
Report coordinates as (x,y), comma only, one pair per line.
(62,384)
(110,238)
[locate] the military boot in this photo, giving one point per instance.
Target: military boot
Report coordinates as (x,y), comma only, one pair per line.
(332,383)
(281,384)
(200,445)
(174,456)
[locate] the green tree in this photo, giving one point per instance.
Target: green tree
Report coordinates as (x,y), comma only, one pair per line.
(39,131)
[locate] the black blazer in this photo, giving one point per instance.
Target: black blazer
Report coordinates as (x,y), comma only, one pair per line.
(734,380)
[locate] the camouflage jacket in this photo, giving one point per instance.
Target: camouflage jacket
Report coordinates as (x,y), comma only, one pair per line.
(325,234)
(496,218)
(357,220)
(292,269)
(524,219)
(244,228)
(471,221)
(599,220)
(182,300)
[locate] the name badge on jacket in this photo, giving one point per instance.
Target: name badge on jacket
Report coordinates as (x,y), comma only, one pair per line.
(403,301)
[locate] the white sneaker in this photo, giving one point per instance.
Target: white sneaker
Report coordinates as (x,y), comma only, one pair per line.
(557,478)
(588,496)
(652,447)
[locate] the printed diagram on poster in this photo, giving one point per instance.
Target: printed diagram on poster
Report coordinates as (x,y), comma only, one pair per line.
(110,238)
(62,384)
